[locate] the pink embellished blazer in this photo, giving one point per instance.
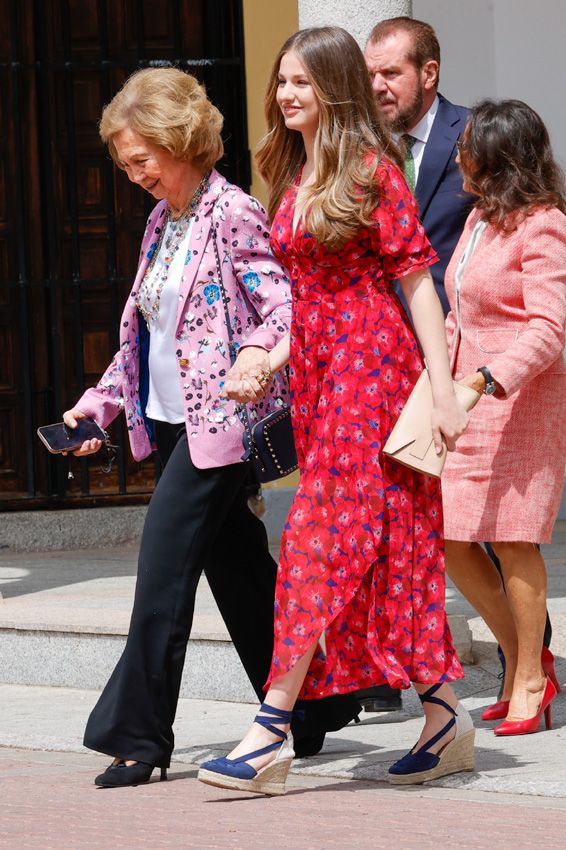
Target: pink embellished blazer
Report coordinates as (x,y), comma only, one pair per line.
(260,312)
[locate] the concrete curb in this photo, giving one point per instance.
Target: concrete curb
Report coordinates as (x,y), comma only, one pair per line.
(52,531)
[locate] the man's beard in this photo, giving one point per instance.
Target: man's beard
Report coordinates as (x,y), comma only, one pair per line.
(406,118)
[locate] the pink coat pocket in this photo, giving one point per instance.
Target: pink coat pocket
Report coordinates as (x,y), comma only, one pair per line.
(496,340)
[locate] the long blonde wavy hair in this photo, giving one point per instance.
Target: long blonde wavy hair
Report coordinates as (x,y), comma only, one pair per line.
(349,142)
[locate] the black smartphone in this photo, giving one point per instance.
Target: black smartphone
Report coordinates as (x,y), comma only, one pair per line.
(59,438)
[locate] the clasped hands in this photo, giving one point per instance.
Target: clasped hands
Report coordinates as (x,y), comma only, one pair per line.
(249,377)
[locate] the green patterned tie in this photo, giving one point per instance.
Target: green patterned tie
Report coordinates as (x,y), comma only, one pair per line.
(409,169)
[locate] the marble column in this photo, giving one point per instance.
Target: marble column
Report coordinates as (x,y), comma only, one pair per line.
(357,16)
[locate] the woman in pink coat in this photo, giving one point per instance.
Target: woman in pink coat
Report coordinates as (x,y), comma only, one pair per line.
(506,284)
(167,378)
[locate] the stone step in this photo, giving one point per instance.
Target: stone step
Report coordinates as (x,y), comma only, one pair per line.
(86,660)
(65,618)
(74,658)
(65,615)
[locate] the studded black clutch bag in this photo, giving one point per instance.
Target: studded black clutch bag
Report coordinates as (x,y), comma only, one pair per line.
(269,446)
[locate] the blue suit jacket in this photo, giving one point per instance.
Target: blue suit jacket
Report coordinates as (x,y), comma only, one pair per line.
(443,204)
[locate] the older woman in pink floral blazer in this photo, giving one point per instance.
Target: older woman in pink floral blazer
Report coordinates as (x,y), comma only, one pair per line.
(260,311)
(167,378)
(507,289)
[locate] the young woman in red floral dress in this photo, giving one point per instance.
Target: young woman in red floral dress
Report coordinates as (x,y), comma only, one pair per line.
(360,594)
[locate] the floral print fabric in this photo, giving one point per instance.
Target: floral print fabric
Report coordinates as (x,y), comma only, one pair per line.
(260,312)
(362,559)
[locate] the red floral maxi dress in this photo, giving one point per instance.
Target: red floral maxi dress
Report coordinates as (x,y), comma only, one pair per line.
(362,560)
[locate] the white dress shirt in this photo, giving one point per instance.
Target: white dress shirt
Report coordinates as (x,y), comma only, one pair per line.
(421,132)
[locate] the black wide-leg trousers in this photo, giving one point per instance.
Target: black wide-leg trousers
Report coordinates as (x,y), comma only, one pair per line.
(198,519)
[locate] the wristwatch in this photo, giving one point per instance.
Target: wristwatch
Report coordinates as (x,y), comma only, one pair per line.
(488,378)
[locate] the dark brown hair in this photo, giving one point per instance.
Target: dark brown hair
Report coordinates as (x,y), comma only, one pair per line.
(424,41)
(507,160)
(349,142)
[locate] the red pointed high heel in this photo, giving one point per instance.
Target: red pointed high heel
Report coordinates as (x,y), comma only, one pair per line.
(497,711)
(531,724)
(547,661)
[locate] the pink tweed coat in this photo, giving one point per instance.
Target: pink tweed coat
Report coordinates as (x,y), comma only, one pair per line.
(260,311)
(504,481)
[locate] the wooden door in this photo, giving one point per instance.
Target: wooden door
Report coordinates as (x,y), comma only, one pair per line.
(70,226)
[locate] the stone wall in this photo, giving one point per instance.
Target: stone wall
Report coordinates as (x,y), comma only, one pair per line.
(357,16)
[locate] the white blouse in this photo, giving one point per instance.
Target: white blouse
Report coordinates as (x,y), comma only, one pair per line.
(159,299)
(461,267)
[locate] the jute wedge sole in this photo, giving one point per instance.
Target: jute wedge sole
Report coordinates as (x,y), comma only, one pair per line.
(456,756)
(269,780)
(238,774)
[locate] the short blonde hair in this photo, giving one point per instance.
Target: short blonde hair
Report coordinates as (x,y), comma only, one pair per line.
(170,109)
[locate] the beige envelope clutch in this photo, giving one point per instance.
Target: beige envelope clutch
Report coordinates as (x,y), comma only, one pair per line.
(410,441)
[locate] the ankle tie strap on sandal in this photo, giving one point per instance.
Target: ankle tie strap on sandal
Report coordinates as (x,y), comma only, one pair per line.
(276,715)
(428,696)
(238,768)
(456,755)
(268,717)
(426,759)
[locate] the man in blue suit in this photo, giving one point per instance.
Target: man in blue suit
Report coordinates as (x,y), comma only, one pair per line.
(403,58)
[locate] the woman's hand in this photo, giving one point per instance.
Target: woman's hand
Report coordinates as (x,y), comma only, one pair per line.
(249,377)
(449,420)
(241,391)
(71,419)
(246,388)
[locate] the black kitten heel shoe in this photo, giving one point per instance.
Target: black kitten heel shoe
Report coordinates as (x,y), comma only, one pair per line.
(121,775)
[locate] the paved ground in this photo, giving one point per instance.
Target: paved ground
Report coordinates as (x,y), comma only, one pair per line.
(53,719)
(48,802)
(515,801)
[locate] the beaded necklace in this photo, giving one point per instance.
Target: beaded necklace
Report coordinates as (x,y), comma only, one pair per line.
(171,237)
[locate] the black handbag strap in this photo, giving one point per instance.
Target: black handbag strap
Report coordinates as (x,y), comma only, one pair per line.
(241,409)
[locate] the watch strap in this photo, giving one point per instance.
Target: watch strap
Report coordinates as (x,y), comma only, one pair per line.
(488,378)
